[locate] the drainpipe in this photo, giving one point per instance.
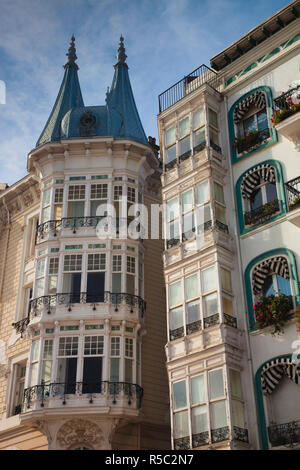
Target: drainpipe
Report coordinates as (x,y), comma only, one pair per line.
(239,260)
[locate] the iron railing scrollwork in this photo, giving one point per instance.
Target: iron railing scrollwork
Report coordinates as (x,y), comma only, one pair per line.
(287,434)
(176,333)
(21,325)
(66,390)
(193,327)
(283,102)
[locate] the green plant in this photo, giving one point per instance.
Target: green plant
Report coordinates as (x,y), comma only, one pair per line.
(295,202)
(291,108)
(272,310)
(269,207)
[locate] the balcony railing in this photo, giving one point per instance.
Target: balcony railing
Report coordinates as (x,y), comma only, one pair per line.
(200,439)
(195,326)
(262,214)
(220,434)
(182,443)
(230,320)
(293,193)
(287,434)
(69,299)
(67,390)
(240,434)
(74,223)
(252,141)
(191,82)
(211,320)
(284,101)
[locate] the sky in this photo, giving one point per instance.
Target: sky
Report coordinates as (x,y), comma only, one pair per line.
(164,40)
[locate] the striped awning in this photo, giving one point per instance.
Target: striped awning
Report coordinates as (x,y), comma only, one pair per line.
(254,177)
(275,369)
(277,265)
(257,100)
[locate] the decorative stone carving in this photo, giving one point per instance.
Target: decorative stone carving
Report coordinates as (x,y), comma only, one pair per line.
(78,433)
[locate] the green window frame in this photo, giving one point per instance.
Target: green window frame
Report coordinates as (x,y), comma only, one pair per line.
(269,108)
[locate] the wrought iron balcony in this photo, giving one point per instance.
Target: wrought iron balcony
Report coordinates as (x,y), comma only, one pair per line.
(111,392)
(284,100)
(172,242)
(182,443)
(184,156)
(287,434)
(230,320)
(262,214)
(216,147)
(191,82)
(220,434)
(293,193)
(200,439)
(211,320)
(253,140)
(177,333)
(193,327)
(75,223)
(69,299)
(240,434)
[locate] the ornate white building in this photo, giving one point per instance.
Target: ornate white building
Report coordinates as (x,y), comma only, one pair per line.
(229,136)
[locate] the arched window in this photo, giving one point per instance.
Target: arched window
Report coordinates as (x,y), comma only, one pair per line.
(260,194)
(271,276)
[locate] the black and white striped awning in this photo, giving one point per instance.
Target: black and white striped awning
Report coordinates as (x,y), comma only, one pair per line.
(257,100)
(254,177)
(277,265)
(274,370)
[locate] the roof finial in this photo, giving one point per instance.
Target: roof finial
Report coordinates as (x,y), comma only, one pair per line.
(121,56)
(71,54)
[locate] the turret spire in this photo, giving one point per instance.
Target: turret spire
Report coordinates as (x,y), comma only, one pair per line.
(71,54)
(69,96)
(121,56)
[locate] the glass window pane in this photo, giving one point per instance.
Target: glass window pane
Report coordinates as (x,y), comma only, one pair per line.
(188,224)
(198,389)
(262,120)
(46,198)
(226,279)
(114,369)
(228,306)
(174,229)
(235,383)
(249,124)
(199,137)
(256,199)
(176,318)
(271,192)
(219,193)
(170,136)
(34,374)
(35,350)
(209,279)
(172,209)
(202,192)
(213,117)
(184,145)
(175,293)
(179,394)
(284,285)
(193,311)
(220,213)
(184,127)
(237,414)
(198,118)
(210,304)
(218,413)
(199,419)
(181,424)
(171,154)
(214,136)
(216,384)
(191,287)
(187,202)
(46,371)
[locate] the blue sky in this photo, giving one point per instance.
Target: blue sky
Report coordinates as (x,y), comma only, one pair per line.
(164,40)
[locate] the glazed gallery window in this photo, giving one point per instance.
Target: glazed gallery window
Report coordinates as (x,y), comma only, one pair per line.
(76,200)
(200,400)
(254,121)
(46,205)
(99,197)
(67,364)
(96,277)
(72,277)
(192,301)
(19,372)
(274,283)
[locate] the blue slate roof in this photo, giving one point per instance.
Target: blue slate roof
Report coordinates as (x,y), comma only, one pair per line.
(119,118)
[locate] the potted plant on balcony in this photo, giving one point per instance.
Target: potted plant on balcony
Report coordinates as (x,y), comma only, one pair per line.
(292,105)
(296,202)
(272,310)
(270,207)
(247,141)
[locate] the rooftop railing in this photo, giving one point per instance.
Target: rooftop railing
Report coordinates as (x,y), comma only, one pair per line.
(191,82)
